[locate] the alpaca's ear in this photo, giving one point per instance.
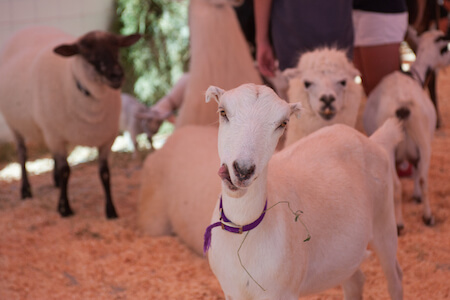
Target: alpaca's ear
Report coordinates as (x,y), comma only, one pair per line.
(354,72)
(296,108)
(291,73)
(213,92)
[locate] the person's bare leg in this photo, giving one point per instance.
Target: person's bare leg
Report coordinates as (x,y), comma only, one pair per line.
(375,62)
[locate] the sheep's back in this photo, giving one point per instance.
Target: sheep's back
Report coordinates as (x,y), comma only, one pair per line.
(17,58)
(394,91)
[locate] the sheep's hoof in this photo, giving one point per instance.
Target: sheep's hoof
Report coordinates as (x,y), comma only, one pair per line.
(400,228)
(417,199)
(26,193)
(429,221)
(65,210)
(111,213)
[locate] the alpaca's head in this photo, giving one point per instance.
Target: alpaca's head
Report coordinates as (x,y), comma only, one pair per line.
(252,118)
(433,49)
(320,81)
(99,51)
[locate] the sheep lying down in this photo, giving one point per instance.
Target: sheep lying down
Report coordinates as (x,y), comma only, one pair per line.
(63,91)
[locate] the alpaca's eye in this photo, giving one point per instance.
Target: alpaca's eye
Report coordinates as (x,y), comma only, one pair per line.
(283,125)
(343,82)
(307,84)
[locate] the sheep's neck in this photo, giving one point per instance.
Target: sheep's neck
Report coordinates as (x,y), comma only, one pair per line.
(247,208)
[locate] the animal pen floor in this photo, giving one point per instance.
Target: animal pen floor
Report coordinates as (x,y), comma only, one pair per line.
(43,256)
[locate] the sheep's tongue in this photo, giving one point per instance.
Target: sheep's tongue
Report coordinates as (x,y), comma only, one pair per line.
(223,173)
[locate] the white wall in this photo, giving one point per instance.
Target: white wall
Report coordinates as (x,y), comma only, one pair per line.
(73,16)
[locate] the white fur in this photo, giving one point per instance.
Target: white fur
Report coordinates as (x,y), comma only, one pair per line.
(39,97)
(136,118)
(398,90)
(219,56)
(338,177)
(42,101)
(131,122)
(325,69)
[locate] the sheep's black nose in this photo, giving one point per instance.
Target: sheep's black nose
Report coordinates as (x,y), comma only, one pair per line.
(327,99)
(243,172)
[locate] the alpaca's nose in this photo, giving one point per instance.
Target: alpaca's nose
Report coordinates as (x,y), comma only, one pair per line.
(327,99)
(242,171)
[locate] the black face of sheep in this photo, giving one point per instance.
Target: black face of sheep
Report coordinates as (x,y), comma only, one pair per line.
(101,50)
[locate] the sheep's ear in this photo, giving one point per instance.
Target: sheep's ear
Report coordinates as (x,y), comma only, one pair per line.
(291,73)
(213,92)
(67,50)
(128,40)
(296,108)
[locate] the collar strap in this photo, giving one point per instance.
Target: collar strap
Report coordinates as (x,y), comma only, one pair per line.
(229,226)
(82,89)
(415,75)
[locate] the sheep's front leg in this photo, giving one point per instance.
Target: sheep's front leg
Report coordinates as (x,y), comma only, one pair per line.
(61,176)
(105,178)
(22,153)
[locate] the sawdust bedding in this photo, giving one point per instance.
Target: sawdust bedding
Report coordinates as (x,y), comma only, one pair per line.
(43,256)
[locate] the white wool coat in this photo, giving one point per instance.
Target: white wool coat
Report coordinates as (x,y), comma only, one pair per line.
(39,97)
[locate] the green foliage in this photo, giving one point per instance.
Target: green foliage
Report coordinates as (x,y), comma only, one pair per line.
(153,64)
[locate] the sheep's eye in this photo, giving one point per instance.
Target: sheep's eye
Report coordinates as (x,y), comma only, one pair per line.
(307,84)
(283,125)
(223,114)
(343,82)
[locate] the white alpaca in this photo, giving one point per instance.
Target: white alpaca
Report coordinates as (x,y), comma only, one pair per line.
(402,95)
(339,178)
(219,56)
(324,83)
(62,90)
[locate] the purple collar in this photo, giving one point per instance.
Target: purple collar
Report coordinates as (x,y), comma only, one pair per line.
(233,229)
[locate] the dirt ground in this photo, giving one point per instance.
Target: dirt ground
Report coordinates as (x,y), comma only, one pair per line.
(43,256)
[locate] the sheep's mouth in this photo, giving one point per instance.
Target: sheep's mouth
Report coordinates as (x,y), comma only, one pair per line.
(115,83)
(327,112)
(226,178)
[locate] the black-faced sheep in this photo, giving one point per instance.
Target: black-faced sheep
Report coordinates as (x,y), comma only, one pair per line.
(63,91)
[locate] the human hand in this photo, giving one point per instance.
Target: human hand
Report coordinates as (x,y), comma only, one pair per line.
(265,59)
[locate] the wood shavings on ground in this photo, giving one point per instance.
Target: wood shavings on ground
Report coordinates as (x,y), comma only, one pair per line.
(43,256)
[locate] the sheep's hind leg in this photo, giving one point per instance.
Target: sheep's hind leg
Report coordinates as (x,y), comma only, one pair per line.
(61,176)
(55,173)
(22,153)
(353,287)
(105,178)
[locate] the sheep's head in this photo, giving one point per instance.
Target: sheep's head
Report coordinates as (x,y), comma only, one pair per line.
(101,52)
(150,122)
(433,49)
(322,76)
(252,118)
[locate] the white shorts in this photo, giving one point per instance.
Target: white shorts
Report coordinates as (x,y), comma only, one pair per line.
(373,29)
